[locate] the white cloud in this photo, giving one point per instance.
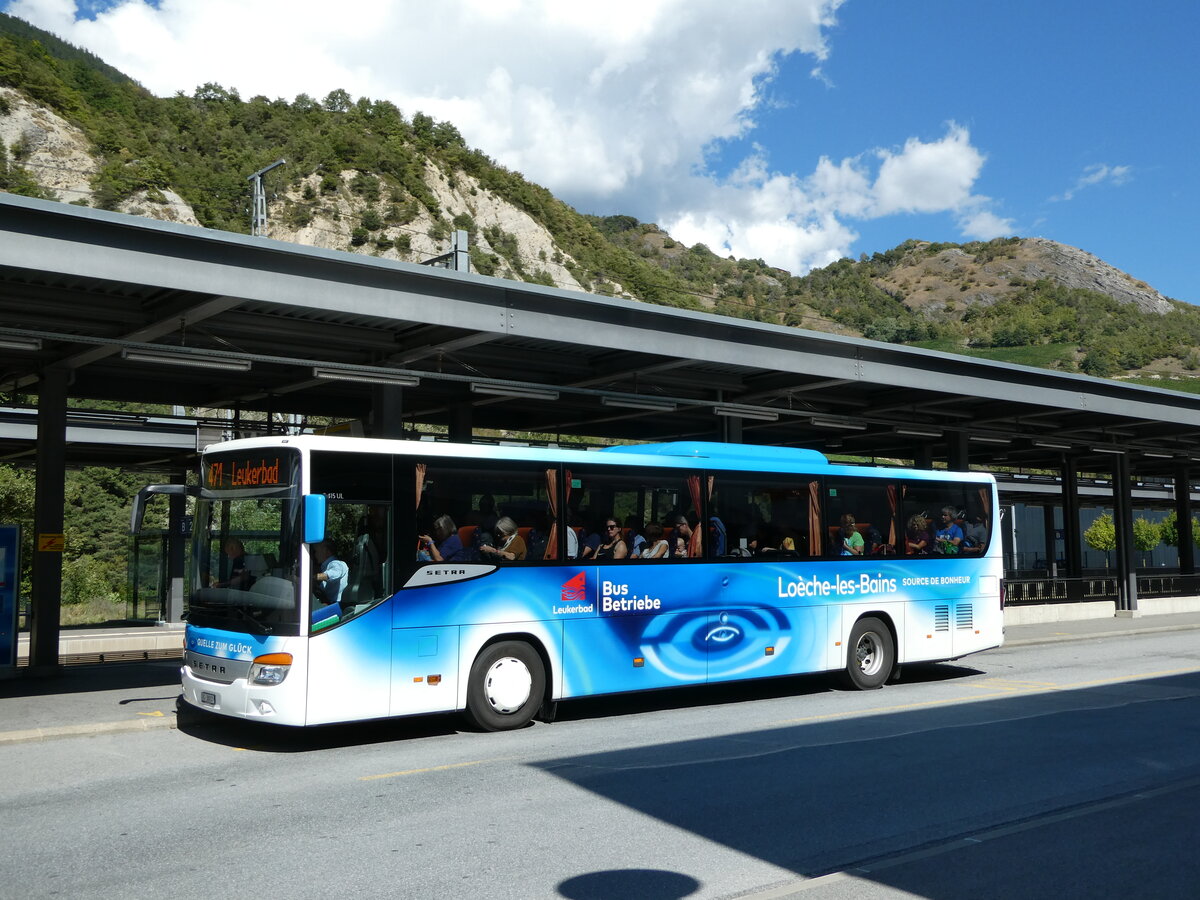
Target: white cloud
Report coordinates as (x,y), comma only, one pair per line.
(614,106)
(1093,175)
(800,223)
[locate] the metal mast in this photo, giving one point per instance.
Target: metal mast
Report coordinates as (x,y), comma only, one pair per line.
(258,214)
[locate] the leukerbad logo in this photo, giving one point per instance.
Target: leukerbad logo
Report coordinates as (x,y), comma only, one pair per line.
(575,590)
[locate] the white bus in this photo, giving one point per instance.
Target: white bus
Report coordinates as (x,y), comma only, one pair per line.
(340,579)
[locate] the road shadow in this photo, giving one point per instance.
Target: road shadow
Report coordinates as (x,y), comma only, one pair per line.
(826,796)
(264,738)
(112,676)
(612,705)
(250,735)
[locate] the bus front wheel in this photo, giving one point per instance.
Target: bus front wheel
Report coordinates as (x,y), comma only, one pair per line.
(507,686)
(871,655)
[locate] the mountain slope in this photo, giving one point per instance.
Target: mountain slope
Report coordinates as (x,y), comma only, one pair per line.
(362,176)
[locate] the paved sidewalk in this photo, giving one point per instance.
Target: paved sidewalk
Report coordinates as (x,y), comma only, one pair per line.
(140,696)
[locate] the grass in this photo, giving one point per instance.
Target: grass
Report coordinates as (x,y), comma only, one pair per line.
(1040,356)
(1189,384)
(94,612)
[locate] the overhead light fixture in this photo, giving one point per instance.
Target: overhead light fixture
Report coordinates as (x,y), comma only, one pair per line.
(742,412)
(86,417)
(915,431)
(365,377)
(1051,445)
(504,390)
(837,423)
(192,360)
(1152,455)
(1115,451)
(990,439)
(639,403)
(15,342)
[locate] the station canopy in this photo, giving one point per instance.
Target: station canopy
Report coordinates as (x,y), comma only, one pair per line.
(152,312)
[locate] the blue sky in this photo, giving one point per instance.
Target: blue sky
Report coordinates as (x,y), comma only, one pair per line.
(798,131)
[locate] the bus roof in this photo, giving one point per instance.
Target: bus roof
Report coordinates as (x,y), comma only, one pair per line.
(674,455)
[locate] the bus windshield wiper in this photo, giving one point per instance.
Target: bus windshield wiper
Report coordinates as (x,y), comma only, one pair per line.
(259,627)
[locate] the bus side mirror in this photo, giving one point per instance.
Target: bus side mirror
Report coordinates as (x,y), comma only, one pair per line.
(314,518)
(139,502)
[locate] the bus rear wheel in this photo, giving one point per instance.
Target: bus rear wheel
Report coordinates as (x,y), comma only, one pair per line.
(871,656)
(506,688)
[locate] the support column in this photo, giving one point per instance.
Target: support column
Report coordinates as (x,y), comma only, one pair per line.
(460,423)
(958,451)
(50,485)
(177,540)
(731,429)
(923,456)
(1071,529)
(1127,601)
(387,412)
(1048,539)
(1183,521)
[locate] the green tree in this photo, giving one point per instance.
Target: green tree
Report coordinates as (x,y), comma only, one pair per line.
(1146,536)
(1102,535)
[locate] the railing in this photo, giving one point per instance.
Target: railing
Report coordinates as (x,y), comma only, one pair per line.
(1037,591)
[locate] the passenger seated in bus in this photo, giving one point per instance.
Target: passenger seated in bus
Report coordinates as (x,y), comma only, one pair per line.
(573,528)
(975,531)
(850,541)
(240,577)
(681,536)
(591,543)
(612,545)
(656,546)
(633,537)
(509,546)
(949,536)
(329,582)
(444,545)
(916,535)
(486,516)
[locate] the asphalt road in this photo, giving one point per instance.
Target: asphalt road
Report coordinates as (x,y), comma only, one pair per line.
(1051,770)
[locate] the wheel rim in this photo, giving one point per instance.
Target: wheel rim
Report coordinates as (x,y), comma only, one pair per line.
(507,685)
(869,653)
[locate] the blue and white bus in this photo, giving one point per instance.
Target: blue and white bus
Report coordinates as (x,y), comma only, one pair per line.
(340,579)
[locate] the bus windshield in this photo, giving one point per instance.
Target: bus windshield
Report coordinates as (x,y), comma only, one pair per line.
(245,560)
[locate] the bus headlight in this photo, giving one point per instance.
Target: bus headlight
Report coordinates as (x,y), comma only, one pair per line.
(271,668)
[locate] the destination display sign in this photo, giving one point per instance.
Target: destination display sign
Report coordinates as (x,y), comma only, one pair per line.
(230,471)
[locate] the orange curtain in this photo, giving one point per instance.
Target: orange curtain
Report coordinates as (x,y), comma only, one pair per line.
(552,495)
(893,502)
(696,543)
(815,531)
(420,469)
(985,497)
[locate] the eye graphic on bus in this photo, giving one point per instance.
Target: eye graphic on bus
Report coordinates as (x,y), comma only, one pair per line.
(691,645)
(723,633)
(697,633)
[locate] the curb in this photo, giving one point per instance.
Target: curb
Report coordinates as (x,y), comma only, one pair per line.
(1068,638)
(93,729)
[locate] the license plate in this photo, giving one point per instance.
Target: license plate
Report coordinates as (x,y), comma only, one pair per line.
(208,698)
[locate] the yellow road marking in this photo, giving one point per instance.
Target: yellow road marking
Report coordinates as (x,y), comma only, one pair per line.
(155,713)
(420,771)
(943,702)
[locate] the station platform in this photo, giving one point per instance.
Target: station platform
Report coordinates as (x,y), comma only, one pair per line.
(82,646)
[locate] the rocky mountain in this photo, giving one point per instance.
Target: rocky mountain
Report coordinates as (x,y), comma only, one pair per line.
(362,176)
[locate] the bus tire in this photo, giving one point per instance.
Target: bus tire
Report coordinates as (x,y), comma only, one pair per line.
(507,686)
(870,655)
